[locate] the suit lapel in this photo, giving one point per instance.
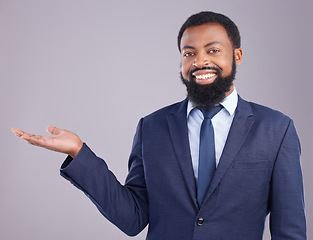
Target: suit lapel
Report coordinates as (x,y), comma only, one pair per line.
(238,132)
(178,129)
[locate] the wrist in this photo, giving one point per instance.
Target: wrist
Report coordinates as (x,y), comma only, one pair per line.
(77,149)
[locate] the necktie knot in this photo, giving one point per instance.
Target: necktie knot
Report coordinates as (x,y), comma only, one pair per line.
(210,112)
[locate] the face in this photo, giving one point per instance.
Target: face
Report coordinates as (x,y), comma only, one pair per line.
(208,57)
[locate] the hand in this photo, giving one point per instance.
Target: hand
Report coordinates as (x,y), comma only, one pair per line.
(64,141)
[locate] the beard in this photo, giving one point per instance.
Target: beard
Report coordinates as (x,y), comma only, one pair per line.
(211,94)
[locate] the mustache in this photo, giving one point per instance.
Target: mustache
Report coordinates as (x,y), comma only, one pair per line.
(217,69)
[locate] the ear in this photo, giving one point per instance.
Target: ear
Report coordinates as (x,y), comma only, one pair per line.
(238,55)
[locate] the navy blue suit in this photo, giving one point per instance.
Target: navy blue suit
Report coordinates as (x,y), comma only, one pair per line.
(259,173)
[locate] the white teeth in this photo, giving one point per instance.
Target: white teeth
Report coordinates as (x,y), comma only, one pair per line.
(205,76)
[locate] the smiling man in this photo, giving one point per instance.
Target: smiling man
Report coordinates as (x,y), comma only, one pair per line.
(209,60)
(210,167)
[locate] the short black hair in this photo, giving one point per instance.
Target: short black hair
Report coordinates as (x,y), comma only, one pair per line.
(207,17)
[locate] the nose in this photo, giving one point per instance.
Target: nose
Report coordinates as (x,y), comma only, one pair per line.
(201,60)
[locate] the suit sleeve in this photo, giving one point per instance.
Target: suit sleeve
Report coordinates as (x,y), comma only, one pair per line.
(287,217)
(126,206)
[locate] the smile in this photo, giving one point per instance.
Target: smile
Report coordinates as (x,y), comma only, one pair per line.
(205,76)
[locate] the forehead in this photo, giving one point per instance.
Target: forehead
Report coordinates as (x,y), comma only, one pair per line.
(197,36)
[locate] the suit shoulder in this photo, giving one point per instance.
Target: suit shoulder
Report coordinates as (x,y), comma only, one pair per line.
(268,114)
(270,122)
(163,112)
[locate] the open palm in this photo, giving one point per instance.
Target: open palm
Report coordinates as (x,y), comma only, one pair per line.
(63,141)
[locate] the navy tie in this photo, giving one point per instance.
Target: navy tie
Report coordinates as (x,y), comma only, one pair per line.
(206,152)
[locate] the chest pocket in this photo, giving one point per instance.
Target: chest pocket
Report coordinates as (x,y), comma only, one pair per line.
(251,164)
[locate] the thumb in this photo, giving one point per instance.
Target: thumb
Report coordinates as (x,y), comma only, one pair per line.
(53,130)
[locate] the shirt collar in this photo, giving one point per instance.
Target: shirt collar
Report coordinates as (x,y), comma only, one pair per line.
(229,103)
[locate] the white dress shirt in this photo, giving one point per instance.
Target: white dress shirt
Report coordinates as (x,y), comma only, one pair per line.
(221,124)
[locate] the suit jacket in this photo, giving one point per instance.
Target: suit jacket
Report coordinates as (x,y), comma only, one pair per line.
(259,173)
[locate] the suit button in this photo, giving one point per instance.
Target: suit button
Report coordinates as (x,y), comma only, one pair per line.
(200,221)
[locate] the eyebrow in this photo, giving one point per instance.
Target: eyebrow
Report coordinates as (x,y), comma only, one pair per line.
(206,45)
(211,43)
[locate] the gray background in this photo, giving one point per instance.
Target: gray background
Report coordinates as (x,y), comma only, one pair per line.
(96,67)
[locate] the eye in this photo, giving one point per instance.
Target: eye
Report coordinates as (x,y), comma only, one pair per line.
(213,51)
(188,54)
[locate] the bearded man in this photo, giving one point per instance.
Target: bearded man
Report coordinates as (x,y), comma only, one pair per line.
(210,167)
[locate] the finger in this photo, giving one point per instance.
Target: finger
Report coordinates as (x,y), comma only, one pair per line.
(35,139)
(27,136)
(53,130)
(17,132)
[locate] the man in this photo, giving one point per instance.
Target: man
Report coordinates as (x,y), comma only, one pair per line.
(172,184)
